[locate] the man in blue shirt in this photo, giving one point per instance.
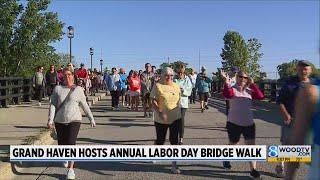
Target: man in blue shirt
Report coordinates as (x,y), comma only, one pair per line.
(286,101)
(123,77)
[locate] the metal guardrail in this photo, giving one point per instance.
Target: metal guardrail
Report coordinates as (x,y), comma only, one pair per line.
(13,90)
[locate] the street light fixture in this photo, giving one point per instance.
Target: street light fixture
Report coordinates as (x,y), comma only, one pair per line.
(101,63)
(70,36)
(91,53)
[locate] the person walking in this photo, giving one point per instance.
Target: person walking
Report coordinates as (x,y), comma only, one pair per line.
(240,117)
(147,78)
(65,114)
(38,83)
(165,97)
(51,80)
(307,116)
(134,84)
(286,102)
(186,88)
(202,85)
(124,87)
(193,78)
(113,82)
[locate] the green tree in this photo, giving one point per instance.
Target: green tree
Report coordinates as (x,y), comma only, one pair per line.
(234,52)
(30,31)
(253,66)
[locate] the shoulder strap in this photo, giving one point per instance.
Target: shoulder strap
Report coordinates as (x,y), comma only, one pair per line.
(318,99)
(65,99)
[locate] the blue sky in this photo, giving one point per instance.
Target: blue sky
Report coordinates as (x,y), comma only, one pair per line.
(130,33)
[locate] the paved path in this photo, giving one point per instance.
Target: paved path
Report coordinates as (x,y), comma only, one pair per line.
(131,128)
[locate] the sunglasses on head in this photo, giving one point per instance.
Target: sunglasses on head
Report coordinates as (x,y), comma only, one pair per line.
(243,77)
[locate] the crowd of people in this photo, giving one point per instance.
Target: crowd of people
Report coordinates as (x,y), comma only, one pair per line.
(165,96)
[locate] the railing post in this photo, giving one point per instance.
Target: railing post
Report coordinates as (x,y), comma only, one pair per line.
(5,92)
(26,90)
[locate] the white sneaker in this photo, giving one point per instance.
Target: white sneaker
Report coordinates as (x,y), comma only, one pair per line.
(175,169)
(39,104)
(71,174)
(65,164)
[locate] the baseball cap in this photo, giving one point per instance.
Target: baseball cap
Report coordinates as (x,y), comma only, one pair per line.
(81,64)
(304,63)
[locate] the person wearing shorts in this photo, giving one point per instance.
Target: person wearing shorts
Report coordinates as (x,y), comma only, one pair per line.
(134,85)
(202,85)
(240,117)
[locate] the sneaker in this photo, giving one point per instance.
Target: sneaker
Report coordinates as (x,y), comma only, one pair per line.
(202,110)
(39,104)
(71,174)
(113,108)
(150,114)
(226,164)
(154,162)
(117,109)
(175,169)
(254,174)
(206,106)
(65,164)
(279,171)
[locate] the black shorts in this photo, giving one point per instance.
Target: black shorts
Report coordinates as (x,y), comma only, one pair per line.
(123,92)
(203,96)
(146,97)
(235,131)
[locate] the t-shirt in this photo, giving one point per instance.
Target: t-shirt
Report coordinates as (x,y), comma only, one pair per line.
(81,73)
(168,98)
(39,78)
(134,83)
(146,82)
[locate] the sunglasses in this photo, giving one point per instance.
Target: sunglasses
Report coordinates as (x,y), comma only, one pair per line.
(179,72)
(243,77)
(169,75)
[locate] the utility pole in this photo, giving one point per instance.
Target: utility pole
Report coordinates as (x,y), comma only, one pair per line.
(168,60)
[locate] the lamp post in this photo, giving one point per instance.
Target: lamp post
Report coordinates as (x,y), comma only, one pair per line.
(101,63)
(91,53)
(70,36)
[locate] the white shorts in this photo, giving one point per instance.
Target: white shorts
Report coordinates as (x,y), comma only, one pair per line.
(133,93)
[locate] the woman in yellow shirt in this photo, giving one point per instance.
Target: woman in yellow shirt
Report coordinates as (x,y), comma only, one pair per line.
(165,97)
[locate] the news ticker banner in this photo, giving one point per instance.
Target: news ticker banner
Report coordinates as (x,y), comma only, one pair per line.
(160,153)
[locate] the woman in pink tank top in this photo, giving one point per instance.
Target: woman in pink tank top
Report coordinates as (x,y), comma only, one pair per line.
(240,117)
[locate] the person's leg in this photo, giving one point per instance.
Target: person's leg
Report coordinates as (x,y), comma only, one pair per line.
(117,98)
(234,133)
(136,99)
(112,98)
(174,140)
(144,103)
(206,98)
(249,134)
(73,130)
(194,95)
(181,130)
(161,132)
(122,97)
(61,130)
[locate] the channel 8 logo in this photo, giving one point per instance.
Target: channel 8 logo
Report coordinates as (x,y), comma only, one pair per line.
(273,151)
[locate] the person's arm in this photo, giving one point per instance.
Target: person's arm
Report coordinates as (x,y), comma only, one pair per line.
(187,89)
(85,107)
(227,91)
(256,92)
(52,107)
(304,108)
(283,96)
